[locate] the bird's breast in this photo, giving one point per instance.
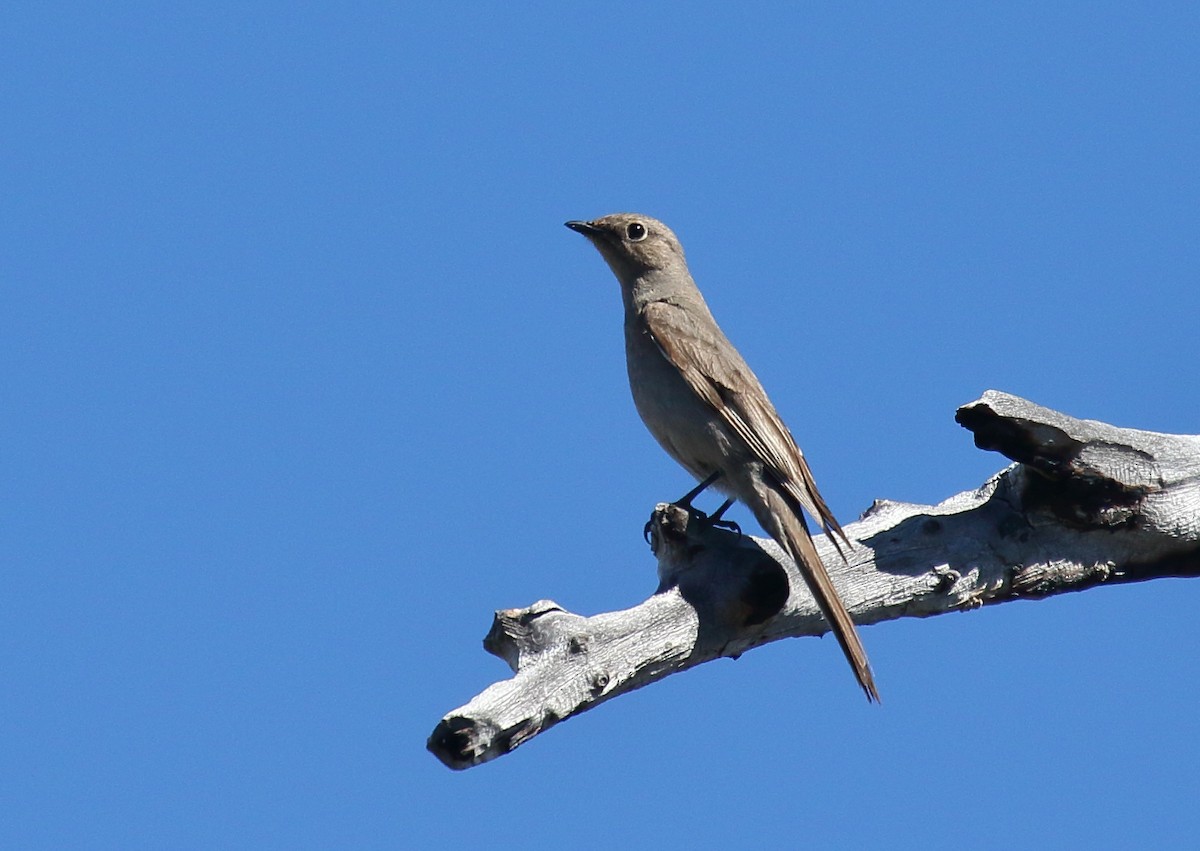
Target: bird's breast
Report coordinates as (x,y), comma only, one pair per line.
(684,425)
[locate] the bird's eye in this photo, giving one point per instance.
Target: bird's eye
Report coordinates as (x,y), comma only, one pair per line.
(636,231)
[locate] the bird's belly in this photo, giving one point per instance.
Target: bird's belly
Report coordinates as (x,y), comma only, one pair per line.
(684,425)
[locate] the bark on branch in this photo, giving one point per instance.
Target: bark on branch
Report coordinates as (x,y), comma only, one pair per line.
(1085,504)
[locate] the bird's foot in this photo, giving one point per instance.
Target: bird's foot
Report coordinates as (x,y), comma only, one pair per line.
(715,519)
(695,515)
(729,525)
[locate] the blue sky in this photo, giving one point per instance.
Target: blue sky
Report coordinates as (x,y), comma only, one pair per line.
(304,378)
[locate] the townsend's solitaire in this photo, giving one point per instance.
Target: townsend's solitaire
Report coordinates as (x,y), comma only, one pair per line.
(707,409)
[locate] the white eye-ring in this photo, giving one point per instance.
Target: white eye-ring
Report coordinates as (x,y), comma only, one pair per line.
(636,231)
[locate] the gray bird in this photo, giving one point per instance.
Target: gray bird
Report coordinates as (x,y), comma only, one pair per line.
(707,409)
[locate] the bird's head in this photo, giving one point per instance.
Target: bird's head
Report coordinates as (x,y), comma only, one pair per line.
(633,245)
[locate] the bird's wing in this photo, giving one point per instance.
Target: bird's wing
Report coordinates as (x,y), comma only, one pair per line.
(726,383)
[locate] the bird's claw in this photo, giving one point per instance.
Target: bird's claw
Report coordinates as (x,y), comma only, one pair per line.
(695,515)
(714,520)
(730,525)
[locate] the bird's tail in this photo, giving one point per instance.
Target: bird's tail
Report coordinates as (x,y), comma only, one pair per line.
(783,521)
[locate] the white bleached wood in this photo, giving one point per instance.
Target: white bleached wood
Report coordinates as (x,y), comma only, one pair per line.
(1085,504)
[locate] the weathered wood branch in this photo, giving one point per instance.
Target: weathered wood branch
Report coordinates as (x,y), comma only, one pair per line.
(1085,504)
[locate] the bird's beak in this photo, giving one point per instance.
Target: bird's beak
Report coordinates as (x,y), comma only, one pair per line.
(586,228)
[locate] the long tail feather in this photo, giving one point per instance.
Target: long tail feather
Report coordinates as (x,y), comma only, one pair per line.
(783,522)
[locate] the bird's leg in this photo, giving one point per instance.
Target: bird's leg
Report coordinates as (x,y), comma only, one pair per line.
(714,519)
(716,516)
(686,500)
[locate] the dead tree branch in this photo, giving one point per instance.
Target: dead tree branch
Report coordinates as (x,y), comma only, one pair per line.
(1085,504)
